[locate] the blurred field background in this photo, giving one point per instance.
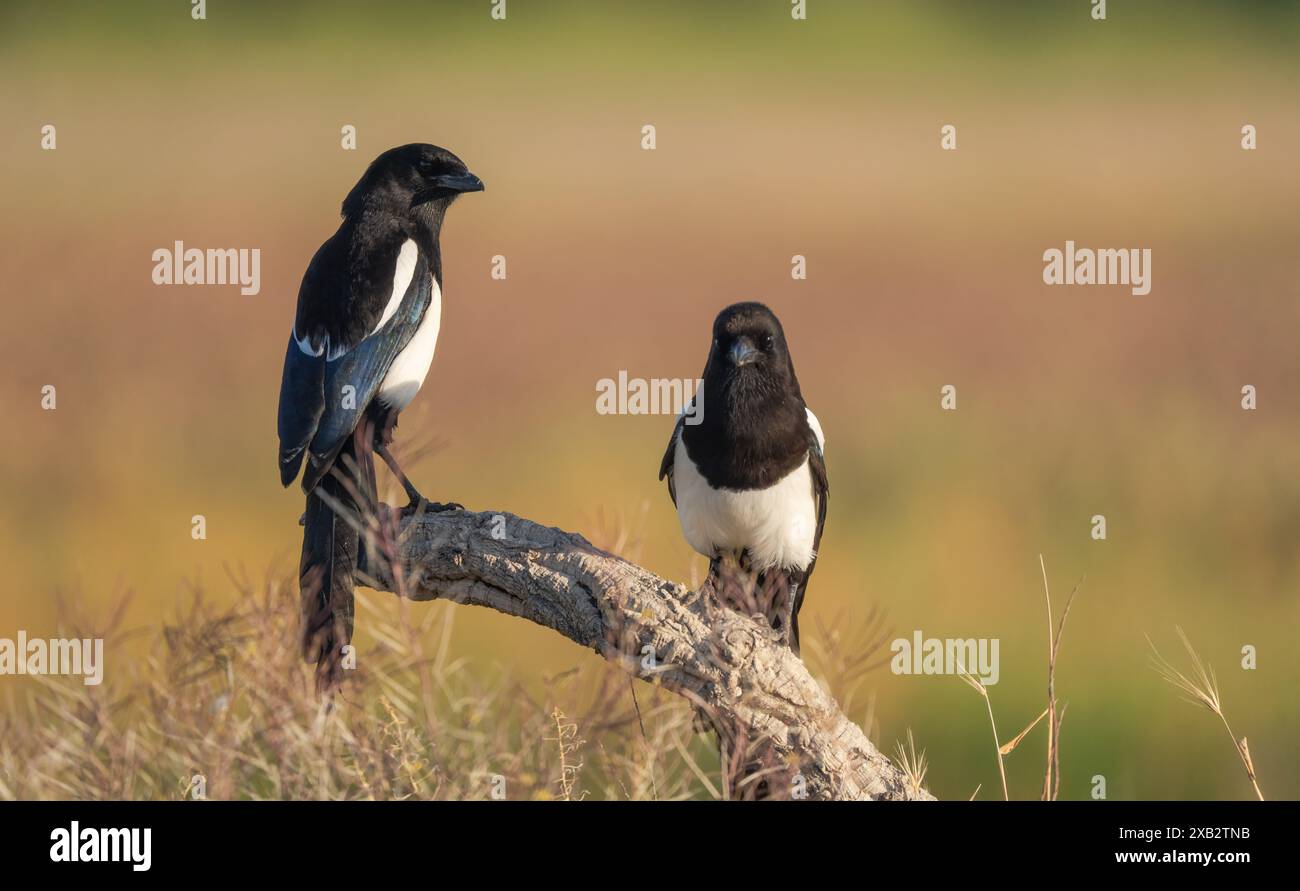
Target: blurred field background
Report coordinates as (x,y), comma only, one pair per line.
(775,138)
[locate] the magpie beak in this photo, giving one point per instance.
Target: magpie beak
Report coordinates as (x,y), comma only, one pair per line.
(448,182)
(742,352)
(460,182)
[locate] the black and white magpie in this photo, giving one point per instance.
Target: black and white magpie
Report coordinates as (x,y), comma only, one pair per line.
(369,309)
(749,479)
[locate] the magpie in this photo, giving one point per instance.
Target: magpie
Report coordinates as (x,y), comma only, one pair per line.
(749,479)
(369,309)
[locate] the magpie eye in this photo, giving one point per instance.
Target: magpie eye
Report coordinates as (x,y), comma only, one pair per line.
(767,341)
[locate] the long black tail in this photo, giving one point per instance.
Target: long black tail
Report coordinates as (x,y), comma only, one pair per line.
(330,545)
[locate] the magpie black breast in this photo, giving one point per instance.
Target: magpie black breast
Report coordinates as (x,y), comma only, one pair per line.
(369,309)
(749,479)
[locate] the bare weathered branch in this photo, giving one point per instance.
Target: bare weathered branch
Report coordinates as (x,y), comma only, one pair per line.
(726,664)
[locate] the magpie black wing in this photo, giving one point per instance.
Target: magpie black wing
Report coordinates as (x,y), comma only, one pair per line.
(348,287)
(821,491)
(302,401)
(352,380)
(666,466)
(351,323)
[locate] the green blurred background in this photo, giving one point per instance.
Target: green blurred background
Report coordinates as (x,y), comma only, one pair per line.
(775,137)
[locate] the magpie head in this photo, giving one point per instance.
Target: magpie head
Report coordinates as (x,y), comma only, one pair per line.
(748,346)
(409,179)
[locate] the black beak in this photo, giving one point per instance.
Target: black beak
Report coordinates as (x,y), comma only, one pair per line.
(455,183)
(459,182)
(742,352)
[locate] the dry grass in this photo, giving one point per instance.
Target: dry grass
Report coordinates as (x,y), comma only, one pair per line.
(976,685)
(221,706)
(844,651)
(1201,688)
(217,704)
(1052,779)
(221,703)
(913,765)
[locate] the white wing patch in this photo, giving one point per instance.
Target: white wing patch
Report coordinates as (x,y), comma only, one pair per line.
(304,345)
(331,353)
(816,429)
(403,272)
(406,375)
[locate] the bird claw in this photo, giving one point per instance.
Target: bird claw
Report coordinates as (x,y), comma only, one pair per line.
(424,506)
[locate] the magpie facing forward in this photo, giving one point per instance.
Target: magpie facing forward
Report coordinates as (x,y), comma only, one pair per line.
(367,322)
(749,480)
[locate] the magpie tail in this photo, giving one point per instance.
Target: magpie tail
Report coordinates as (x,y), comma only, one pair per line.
(330,547)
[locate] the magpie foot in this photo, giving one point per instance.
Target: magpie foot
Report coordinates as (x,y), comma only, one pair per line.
(423,506)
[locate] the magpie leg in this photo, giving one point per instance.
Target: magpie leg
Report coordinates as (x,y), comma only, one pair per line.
(787,618)
(366,480)
(411,492)
(418,502)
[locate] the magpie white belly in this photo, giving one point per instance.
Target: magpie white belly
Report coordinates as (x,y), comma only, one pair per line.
(406,375)
(777,524)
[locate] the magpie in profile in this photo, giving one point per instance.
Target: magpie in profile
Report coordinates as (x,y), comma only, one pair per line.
(749,480)
(369,309)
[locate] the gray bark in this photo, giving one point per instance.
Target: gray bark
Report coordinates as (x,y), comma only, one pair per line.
(728,665)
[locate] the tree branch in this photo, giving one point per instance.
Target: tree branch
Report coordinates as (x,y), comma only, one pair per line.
(727,664)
